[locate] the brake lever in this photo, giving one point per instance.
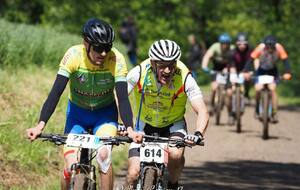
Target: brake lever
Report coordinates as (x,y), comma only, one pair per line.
(58,143)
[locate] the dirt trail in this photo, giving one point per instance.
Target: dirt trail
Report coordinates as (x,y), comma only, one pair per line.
(244,161)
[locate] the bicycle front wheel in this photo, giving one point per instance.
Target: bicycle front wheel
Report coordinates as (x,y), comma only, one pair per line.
(79,182)
(265,114)
(150,177)
(238,111)
(219,104)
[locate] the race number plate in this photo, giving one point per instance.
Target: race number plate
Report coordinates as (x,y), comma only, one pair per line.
(221,79)
(265,79)
(154,152)
(237,78)
(83,141)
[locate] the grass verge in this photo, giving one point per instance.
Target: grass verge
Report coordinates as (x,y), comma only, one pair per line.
(36,165)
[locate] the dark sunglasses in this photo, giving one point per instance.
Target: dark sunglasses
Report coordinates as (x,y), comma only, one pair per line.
(165,64)
(270,46)
(102,48)
(241,43)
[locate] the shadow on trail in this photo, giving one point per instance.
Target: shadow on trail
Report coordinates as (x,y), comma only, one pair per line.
(271,137)
(293,108)
(242,175)
(244,131)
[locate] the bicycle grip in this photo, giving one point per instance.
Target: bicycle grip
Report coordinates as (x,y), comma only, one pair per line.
(200,143)
(45,135)
(124,139)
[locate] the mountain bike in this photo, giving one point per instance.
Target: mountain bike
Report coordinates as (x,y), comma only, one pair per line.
(221,79)
(153,160)
(238,105)
(265,103)
(83,175)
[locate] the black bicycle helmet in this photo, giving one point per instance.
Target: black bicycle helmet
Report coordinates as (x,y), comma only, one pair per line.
(270,41)
(241,38)
(97,32)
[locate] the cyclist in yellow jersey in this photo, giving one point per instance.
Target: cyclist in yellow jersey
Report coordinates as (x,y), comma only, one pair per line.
(93,69)
(164,84)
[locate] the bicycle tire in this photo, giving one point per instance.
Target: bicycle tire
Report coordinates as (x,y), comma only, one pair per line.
(149,180)
(265,114)
(92,185)
(238,109)
(80,182)
(219,104)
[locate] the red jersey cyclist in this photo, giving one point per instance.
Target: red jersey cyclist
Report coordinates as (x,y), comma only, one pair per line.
(268,54)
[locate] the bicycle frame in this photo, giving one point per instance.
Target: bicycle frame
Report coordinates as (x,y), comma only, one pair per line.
(152,172)
(83,175)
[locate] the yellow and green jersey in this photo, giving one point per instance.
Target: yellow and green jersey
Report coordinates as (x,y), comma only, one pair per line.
(162,105)
(91,86)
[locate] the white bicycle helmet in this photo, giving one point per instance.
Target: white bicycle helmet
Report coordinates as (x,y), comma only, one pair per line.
(164,50)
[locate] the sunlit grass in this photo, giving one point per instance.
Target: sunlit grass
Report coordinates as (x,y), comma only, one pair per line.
(21,96)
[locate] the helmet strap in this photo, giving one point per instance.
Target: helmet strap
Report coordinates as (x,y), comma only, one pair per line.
(88,51)
(154,69)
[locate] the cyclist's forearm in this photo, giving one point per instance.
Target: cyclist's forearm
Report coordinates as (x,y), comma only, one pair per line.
(202,121)
(202,114)
(53,98)
(124,104)
(206,59)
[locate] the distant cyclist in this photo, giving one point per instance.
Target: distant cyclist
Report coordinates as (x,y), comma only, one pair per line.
(165,84)
(240,56)
(268,54)
(93,69)
(221,56)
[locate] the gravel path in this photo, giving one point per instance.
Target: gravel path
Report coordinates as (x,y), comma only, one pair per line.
(244,161)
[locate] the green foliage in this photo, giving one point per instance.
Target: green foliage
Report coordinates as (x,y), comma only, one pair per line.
(171,19)
(21,95)
(23,45)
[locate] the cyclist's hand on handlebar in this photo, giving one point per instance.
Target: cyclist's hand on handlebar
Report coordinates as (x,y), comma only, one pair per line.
(193,139)
(34,132)
(247,75)
(287,76)
(206,70)
(135,136)
(122,130)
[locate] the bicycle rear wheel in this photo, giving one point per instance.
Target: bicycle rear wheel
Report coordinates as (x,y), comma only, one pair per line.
(265,114)
(150,177)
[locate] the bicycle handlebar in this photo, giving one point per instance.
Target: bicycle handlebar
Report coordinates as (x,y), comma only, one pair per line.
(59,139)
(177,142)
(116,140)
